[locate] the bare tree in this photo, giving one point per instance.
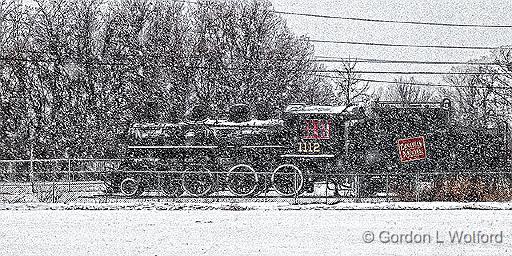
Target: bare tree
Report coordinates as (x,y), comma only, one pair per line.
(405,91)
(477,100)
(349,86)
(246,54)
(76,73)
(503,57)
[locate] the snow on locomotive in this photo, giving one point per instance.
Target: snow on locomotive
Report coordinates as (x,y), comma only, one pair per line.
(246,157)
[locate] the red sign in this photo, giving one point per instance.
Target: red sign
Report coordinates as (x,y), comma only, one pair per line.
(412,149)
(317,129)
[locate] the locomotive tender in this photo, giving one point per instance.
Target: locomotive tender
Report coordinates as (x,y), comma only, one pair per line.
(246,156)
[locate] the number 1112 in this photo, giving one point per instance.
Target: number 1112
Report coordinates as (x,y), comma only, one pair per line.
(309,147)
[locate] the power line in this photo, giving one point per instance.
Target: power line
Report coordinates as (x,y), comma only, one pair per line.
(393,21)
(385,61)
(356,71)
(366,19)
(407,45)
(435,85)
(376,20)
(382,44)
(420,84)
(326,59)
(416,72)
(101,63)
(317,58)
(318,73)
(438,85)
(186,1)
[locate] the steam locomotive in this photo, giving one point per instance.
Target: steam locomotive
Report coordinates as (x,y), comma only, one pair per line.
(246,156)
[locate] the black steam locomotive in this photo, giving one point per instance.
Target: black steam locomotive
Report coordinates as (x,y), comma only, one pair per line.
(246,156)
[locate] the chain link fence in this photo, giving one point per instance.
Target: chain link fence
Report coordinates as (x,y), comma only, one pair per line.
(52,180)
(81,181)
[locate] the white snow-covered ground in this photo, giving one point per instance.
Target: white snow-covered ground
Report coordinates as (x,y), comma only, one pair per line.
(255,229)
(281,206)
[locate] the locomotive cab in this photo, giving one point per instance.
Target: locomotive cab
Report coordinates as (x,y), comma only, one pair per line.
(320,131)
(318,140)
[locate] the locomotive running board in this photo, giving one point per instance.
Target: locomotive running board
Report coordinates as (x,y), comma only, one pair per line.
(202,147)
(263,146)
(171,147)
(309,156)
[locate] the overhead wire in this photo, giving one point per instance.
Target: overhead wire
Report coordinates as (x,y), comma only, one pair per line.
(445,24)
(418,83)
(408,45)
(107,63)
(314,72)
(388,61)
(325,16)
(333,59)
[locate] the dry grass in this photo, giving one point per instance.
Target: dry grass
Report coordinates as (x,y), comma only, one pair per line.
(457,188)
(404,189)
(472,189)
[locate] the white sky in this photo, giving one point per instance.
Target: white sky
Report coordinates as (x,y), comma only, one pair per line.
(491,12)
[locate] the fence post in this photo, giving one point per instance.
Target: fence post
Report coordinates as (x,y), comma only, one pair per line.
(160,186)
(265,187)
(387,186)
(69,175)
(53,181)
(326,185)
(11,172)
(358,188)
(31,174)
(295,186)
(417,186)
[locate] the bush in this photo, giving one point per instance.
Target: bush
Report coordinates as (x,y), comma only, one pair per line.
(472,188)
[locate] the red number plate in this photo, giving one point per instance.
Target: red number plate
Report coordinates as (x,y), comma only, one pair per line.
(411,149)
(319,129)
